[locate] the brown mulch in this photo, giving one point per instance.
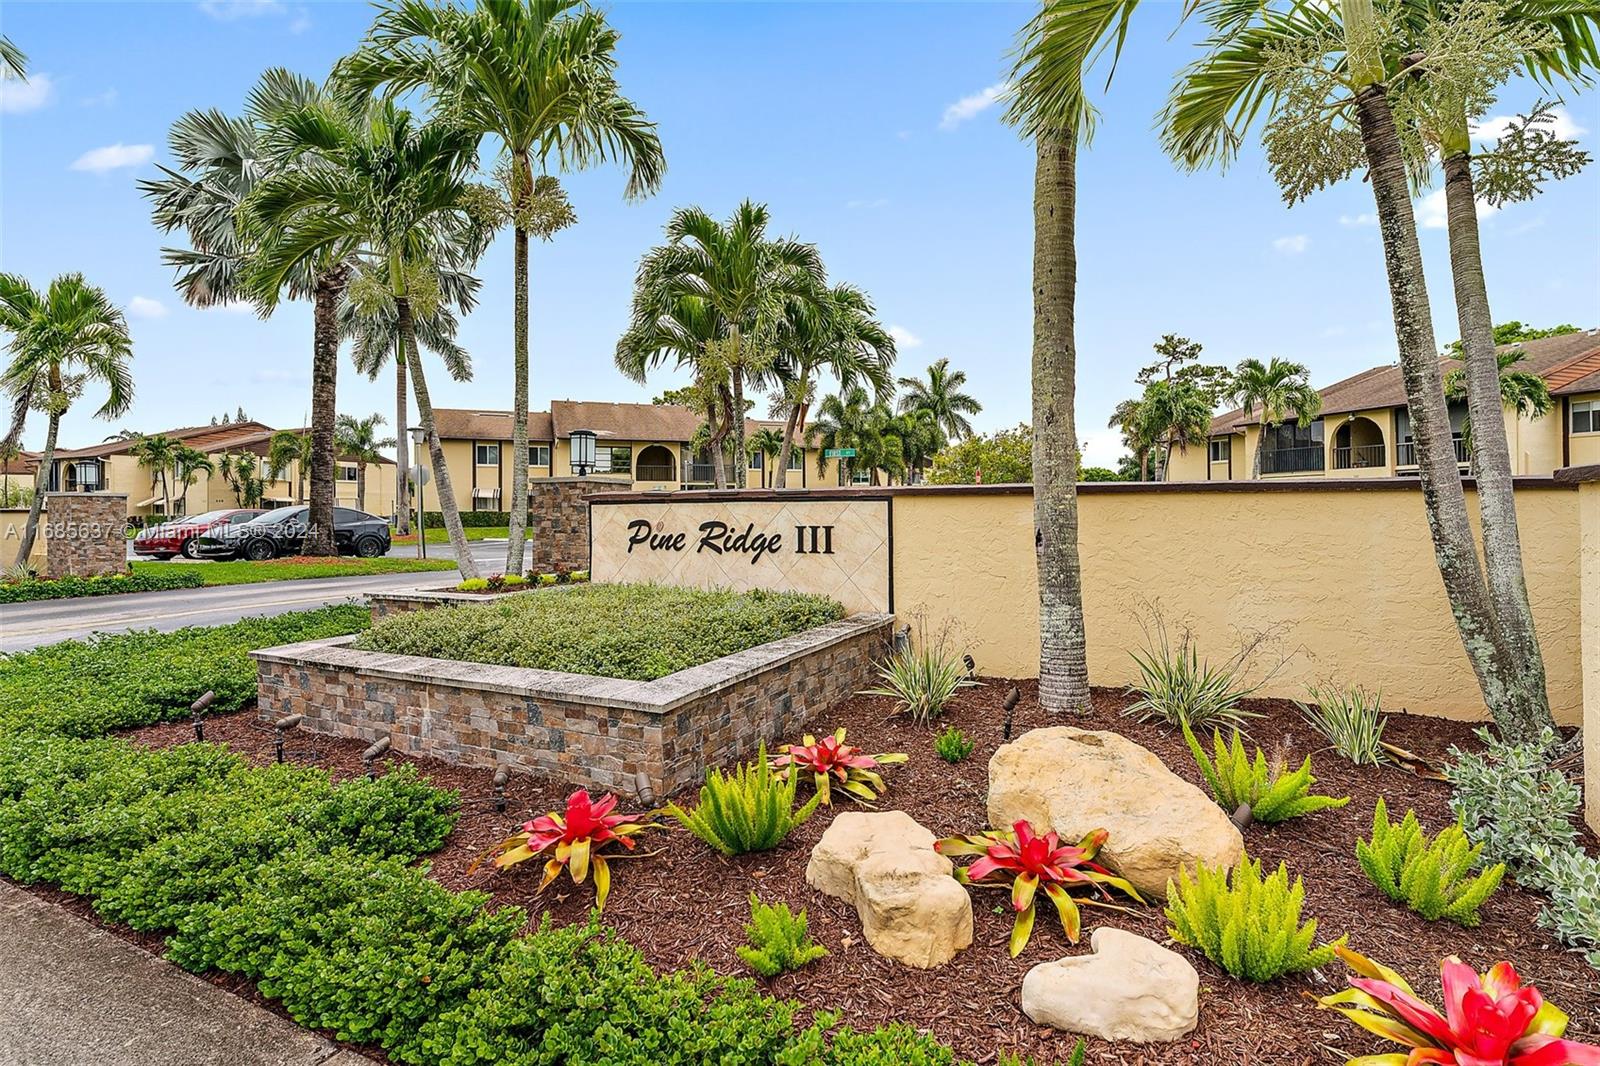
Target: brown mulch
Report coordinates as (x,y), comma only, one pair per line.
(682,902)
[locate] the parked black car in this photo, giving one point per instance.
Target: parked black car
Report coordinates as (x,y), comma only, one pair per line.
(283,532)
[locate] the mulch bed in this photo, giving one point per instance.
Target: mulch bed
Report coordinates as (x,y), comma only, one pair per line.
(683,902)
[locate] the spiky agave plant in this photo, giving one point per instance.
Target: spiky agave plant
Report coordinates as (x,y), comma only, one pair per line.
(1034,861)
(831,758)
(577,836)
(1491,1019)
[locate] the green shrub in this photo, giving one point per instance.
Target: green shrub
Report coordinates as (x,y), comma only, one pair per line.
(751,809)
(71,587)
(1511,800)
(1235,779)
(1432,877)
(471,519)
(640,632)
(779,940)
(89,687)
(1176,686)
(1350,719)
(1571,878)
(921,676)
(952,745)
(473,584)
(1250,927)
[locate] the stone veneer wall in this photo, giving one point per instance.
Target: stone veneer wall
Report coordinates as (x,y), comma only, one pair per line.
(558,520)
(85,533)
(598,732)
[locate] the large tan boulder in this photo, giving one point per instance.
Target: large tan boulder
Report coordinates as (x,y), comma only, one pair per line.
(883,863)
(1076,780)
(1130,988)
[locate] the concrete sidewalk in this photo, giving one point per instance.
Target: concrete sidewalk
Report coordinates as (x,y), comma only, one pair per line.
(72,994)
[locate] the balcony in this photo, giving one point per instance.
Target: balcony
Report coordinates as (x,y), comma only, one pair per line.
(1308,459)
(1405,453)
(699,474)
(1358,457)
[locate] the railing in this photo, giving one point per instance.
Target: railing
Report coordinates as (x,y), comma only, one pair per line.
(1358,457)
(699,474)
(1293,460)
(1405,453)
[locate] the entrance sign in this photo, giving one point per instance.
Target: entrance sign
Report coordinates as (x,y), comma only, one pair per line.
(832,547)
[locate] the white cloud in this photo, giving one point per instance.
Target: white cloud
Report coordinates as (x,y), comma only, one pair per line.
(144,307)
(1363,219)
(904,338)
(233,307)
(105,99)
(856,205)
(1433,214)
(113,157)
(969,106)
(1292,245)
(1561,125)
(229,10)
(17,96)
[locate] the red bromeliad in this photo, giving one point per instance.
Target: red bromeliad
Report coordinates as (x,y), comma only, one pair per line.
(578,836)
(1492,1020)
(1035,861)
(833,758)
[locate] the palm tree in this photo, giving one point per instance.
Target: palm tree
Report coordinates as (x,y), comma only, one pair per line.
(243,475)
(1521,391)
(358,439)
(1279,389)
(921,438)
(1131,417)
(288,450)
(684,330)
(1055,51)
(941,396)
(13,60)
(220,160)
(1178,414)
(387,187)
(187,466)
(844,422)
(733,285)
(373,328)
(539,76)
(831,329)
(156,453)
(1324,79)
(63,340)
(767,443)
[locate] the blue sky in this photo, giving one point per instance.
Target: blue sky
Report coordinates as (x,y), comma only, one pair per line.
(863,126)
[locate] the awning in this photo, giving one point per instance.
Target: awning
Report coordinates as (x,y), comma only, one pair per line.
(149,503)
(486,492)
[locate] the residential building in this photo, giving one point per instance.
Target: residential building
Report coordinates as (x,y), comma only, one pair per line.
(647,444)
(110,467)
(1364,428)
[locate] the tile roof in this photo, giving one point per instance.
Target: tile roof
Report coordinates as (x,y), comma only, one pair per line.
(206,438)
(1555,359)
(458,423)
(609,421)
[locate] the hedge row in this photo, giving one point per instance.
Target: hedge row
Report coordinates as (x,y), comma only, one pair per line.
(62,588)
(493,519)
(89,687)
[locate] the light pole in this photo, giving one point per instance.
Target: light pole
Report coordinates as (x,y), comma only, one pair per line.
(419,473)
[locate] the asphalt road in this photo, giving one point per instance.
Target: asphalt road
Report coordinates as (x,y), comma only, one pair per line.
(28,625)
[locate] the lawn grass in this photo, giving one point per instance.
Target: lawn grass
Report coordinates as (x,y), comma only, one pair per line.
(244,572)
(442,536)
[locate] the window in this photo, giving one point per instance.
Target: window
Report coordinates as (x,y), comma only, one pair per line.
(347,472)
(488,455)
(613,459)
(1586,416)
(1291,448)
(756,460)
(861,477)
(539,456)
(797,459)
(344,516)
(655,464)
(1221,449)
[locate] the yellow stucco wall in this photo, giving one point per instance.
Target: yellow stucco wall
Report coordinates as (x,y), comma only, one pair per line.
(13,522)
(1345,578)
(1589,511)
(1584,447)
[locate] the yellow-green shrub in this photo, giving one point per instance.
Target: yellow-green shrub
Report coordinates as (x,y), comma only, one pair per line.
(1432,877)
(1247,924)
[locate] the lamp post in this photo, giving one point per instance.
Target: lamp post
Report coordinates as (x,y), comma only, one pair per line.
(582,443)
(419,474)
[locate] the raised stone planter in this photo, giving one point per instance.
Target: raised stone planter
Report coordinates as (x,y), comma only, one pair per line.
(400,601)
(594,731)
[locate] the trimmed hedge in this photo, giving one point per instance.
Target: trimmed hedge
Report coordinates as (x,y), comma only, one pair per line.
(435,519)
(639,632)
(71,587)
(89,687)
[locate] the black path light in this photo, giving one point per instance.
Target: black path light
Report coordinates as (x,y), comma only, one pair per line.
(972,667)
(501,776)
(645,791)
(279,728)
(1010,704)
(196,709)
(369,757)
(582,444)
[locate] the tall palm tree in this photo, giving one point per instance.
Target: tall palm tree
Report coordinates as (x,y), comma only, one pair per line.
(1055,52)
(1178,415)
(733,281)
(187,466)
(921,438)
(288,450)
(540,77)
(1278,389)
(386,187)
(1324,78)
(359,440)
(373,327)
(834,330)
(220,160)
(1521,391)
(242,472)
(767,443)
(844,421)
(63,340)
(1133,419)
(941,396)
(155,452)
(683,328)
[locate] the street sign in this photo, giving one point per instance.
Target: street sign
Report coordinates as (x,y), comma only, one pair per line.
(839,453)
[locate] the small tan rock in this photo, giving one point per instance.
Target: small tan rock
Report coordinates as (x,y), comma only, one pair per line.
(911,908)
(1076,780)
(1129,988)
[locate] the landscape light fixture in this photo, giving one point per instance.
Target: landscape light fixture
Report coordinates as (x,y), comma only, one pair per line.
(196,709)
(369,758)
(582,442)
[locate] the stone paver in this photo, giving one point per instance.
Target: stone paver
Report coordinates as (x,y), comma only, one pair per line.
(72,994)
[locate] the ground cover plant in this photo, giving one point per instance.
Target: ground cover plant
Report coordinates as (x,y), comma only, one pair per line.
(1247,924)
(89,687)
(1269,793)
(778,938)
(72,586)
(1431,876)
(750,809)
(639,632)
(291,568)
